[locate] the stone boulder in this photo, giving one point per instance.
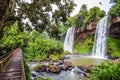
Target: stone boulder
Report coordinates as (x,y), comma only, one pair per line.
(53,69)
(67,65)
(86,69)
(42,68)
(61,62)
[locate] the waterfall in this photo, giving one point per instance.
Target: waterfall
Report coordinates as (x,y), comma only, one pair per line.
(100,39)
(69,40)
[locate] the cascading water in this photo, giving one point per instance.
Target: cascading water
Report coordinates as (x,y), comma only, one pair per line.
(100,39)
(69,40)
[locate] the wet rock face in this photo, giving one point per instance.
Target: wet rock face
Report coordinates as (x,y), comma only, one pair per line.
(115,19)
(91,26)
(114,30)
(67,65)
(79,36)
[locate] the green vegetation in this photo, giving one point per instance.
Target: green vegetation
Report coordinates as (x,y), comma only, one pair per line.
(40,17)
(27,72)
(82,19)
(39,47)
(67,52)
(94,14)
(81,16)
(115,10)
(85,16)
(84,47)
(113,47)
(35,45)
(11,39)
(45,79)
(106,71)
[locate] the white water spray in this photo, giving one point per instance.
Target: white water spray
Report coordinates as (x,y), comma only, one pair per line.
(69,40)
(100,39)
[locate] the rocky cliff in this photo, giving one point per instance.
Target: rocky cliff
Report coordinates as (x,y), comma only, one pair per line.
(114,30)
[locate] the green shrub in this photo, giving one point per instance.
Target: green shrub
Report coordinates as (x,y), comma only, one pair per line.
(41,79)
(106,71)
(45,79)
(48,79)
(41,48)
(27,72)
(11,39)
(113,47)
(67,52)
(84,47)
(115,10)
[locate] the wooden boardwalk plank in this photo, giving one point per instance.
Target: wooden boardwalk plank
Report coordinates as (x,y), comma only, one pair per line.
(14,70)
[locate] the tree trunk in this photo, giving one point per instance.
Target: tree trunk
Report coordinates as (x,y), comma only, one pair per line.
(4,4)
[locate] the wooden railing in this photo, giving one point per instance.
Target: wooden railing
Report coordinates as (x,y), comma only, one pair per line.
(5,60)
(23,69)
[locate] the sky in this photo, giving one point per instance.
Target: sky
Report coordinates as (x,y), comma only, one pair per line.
(105,5)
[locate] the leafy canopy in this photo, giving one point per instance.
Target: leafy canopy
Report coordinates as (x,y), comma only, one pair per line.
(41,14)
(115,10)
(39,47)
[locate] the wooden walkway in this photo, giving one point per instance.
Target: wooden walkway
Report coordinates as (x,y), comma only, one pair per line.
(15,68)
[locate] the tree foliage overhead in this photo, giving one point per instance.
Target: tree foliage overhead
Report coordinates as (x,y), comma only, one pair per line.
(85,16)
(80,17)
(115,10)
(95,14)
(39,14)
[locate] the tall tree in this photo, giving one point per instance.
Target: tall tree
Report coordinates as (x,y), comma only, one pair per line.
(95,14)
(79,18)
(115,10)
(40,14)
(4,4)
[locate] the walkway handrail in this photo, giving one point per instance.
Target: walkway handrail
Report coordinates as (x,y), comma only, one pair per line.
(23,69)
(4,60)
(5,55)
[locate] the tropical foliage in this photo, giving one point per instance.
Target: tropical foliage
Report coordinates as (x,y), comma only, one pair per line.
(11,39)
(115,10)
(39,14)
(84,17)
(106,71)
(80,17)
(84,46)
(25,23)
(113,47)
(39,47)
